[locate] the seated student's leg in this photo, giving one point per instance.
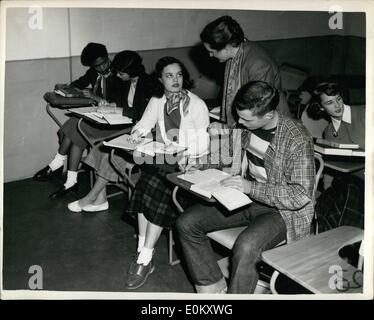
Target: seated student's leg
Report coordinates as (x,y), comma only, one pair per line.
(95,200)
(193,226)
(71,183)
(142,266)
(266,229)
(99,160)
(152,202)
(56,165)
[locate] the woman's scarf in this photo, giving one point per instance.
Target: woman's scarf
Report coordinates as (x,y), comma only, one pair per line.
(173,101)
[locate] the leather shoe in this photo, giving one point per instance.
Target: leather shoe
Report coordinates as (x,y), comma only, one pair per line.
(138,275)
(46,174)
(63,191)
(133,265)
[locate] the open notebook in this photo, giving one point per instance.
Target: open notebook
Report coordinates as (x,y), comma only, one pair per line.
(208,184)
(104,118)
(123,142)
(145,145)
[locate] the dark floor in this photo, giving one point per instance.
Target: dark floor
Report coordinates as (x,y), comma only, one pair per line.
(76,251)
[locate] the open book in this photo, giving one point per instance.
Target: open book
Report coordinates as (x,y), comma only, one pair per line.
(145,145)
(154,147)
(104,118)
(113,118)
(338,149)
(208,184)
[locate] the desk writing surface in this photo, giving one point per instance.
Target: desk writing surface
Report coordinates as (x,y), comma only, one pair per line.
(308,261)
(344,166)
(173,178)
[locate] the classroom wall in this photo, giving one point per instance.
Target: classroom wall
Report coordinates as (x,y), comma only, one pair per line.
(44,59)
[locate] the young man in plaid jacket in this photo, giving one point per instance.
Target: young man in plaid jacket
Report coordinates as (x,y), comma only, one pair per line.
(273,163)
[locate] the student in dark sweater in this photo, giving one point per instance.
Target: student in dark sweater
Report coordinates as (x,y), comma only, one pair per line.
(347,123)
(72,143)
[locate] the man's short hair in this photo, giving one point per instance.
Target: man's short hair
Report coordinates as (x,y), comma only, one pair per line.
(258,96)
(91,52)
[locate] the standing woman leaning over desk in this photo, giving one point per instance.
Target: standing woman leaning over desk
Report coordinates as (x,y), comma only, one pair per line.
(347,123)
(72,144)
(245,61)
(132,95)
(183,118)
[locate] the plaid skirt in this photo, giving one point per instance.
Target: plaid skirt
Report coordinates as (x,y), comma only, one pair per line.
(152,196)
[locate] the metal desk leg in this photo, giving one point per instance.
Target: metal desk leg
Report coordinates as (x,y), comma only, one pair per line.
(173,262)
(91,144)
(273,279)
(49,111)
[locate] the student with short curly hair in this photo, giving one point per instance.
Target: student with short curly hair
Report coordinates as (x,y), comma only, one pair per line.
(245,61)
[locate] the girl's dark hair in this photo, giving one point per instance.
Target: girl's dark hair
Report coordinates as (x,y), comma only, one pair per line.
(258,96)
(91,52)
(221,32)
(157,87)
(315,110)
(129,62)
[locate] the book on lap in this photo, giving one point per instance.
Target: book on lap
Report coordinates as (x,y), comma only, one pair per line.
(208,183)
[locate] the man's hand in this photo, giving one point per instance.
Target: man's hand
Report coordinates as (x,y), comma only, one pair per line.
(217,128)
(238,183)
(189,168)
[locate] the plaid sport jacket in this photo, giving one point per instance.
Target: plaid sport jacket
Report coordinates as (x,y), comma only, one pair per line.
(290,169)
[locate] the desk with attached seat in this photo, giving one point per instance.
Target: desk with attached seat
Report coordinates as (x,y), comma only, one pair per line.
(312,262)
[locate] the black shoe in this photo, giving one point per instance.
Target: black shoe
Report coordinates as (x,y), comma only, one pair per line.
(63,191)
(47,174)
(138,275)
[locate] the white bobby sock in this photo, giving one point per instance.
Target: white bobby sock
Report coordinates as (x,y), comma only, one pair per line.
(141,241)
(57,162)
(145,256)
(71,179)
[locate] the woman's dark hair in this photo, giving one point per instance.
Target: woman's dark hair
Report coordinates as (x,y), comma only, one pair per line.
(157,87)
(91,52)
(315,110)
(221,32)
(129,62)
(258,96)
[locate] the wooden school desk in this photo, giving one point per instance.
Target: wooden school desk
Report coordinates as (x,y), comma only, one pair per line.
(344,166)
(315,263)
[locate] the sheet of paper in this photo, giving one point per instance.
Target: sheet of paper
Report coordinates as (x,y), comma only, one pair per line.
(123,142)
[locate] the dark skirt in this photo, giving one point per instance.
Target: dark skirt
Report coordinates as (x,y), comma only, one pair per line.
(153,196)
(92,130)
